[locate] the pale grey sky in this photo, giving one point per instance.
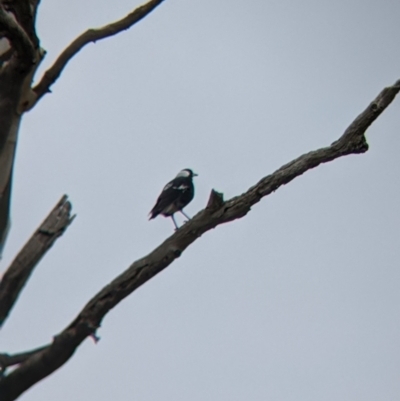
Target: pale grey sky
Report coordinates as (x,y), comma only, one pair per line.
(298,301)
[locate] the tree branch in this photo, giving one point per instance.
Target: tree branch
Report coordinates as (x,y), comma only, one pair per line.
(7,360)
(217,212)
(22,266)
(91,35)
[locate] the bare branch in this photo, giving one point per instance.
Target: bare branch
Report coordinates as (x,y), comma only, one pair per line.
(22,266)
(91,35)
(7,360)
(19,40)
(217,212)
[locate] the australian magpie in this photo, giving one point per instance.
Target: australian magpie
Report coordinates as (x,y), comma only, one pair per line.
(177,194)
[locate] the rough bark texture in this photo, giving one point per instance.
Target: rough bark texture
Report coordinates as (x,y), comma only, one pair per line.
(217,212)
(22,266)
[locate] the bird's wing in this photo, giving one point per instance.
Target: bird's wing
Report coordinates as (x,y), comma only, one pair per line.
(170,193)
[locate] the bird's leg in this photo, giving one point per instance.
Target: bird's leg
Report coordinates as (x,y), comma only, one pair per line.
(173,219)
(185,215)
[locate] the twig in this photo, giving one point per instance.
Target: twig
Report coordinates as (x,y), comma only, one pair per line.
(91,35)
(7,360)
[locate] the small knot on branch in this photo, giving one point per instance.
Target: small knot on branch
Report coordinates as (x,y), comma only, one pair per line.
(351,144)
(215,201)
(95,338)
(93,327)
(356,145)
(177,253)
(361,146)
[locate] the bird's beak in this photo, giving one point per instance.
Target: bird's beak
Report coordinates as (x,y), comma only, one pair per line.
(195,175)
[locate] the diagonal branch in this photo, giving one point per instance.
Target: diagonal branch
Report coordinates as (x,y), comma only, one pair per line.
(19,40)
(22,266)
(7,360)
(91,35)
(217,212)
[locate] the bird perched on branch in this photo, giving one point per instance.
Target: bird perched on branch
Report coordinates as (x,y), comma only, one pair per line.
(177,194)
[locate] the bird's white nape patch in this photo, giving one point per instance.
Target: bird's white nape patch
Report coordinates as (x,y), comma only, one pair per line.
(183,173)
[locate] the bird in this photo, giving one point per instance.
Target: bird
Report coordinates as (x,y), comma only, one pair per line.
(176,195)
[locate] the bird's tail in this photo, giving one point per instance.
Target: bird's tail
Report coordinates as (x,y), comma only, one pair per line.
(153,214)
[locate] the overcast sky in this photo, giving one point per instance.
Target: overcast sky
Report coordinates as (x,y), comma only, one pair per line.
(299,300)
